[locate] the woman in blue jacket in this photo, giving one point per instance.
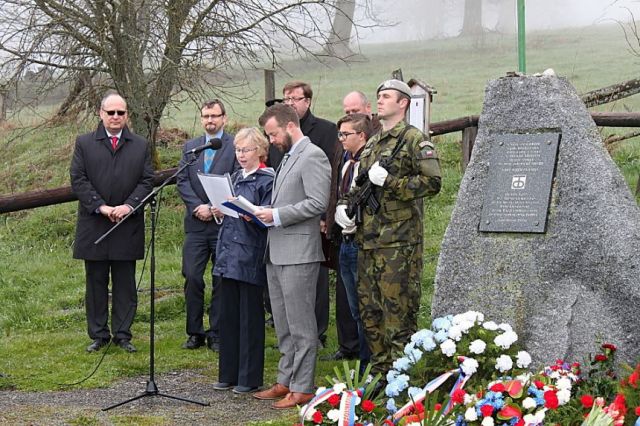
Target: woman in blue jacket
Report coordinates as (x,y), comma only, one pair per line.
(239,264)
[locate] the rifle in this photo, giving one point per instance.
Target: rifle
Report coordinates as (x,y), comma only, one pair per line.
(366,195)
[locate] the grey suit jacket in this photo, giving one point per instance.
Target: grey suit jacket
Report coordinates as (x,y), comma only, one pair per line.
(301,195)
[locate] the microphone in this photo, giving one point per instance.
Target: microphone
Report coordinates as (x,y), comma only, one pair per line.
(213,144)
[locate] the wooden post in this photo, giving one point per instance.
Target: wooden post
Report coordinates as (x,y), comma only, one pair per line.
(468,140)
(3,105)
(269,84)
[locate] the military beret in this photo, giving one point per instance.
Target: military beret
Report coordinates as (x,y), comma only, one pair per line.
(398,85)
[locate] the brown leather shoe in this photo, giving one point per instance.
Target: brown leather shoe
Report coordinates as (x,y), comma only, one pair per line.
(292,400)
(276,391)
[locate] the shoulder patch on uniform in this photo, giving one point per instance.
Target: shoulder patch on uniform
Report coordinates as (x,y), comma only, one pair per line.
(427,150)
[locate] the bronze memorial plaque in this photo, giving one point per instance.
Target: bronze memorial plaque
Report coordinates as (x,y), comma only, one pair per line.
(518,191)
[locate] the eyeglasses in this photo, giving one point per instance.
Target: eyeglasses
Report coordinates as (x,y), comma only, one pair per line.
(114,112)
(208,116)
(291,100)
(245,150)
(346,134)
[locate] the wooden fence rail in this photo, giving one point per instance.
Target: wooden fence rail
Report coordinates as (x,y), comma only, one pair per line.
(467,125)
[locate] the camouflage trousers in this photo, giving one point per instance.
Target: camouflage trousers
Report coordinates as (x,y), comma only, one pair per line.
(389,289)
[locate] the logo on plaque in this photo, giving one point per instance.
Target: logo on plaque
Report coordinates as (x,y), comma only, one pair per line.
(518,191)
(518,182)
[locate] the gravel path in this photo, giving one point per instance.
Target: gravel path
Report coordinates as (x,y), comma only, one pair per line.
(84,407)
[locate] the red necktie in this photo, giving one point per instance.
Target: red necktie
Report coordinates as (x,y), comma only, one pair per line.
(114,142)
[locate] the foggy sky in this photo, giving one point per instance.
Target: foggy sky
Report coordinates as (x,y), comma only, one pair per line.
(426,19)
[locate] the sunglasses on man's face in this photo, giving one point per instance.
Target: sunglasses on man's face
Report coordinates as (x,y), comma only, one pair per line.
(114,112)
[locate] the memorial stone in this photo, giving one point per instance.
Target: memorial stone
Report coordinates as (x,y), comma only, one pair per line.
(569,285)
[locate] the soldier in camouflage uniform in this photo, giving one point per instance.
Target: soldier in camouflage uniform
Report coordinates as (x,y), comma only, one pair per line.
(390,241)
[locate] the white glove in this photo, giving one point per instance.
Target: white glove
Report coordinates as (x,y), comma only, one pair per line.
(378,174)
(341,217)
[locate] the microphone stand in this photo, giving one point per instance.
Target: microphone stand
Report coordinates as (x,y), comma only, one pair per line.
(152,388)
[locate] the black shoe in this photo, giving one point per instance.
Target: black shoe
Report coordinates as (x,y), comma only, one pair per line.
(213,343)
(126,345)
(222,386)
(244,389)
(338,356)
(193,342)
(97,344)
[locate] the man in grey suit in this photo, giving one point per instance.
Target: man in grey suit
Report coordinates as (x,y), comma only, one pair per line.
(294,252)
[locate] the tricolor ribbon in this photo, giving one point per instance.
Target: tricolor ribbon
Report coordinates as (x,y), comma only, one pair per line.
(429,388)
(316,400)
(348,408)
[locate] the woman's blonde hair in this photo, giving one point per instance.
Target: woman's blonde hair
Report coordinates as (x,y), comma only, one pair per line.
(255,136)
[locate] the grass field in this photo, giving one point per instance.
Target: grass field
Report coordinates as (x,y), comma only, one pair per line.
(42,328)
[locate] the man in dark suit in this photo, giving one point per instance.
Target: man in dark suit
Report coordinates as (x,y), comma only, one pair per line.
(201,228)
(111,172)
(322,133)
(294,252)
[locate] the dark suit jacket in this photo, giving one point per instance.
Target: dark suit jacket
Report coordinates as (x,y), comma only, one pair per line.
(189,185)
(322,133)
(99,176)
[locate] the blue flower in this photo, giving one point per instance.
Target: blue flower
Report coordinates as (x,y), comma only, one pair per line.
(428,344)
(391,375)
(460,421)
(441,336)
(419,337)
(413,391)
(402,364)
(391,406)
(442,323)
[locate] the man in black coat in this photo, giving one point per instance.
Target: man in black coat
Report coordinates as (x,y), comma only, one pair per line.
(201,229)
(322,133)
(111,172)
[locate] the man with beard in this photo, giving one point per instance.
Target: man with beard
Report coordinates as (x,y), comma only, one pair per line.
(294,252)
(201,228)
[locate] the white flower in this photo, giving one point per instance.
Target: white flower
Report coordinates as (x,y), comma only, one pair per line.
(442,323)
(440,336)
(490,325)
(504,363)
(524,377)
(455,333)
(448,347)
(506,339)
(339,387)
(564,383)
(391,405)
(534,419)
(469,398)
(469,366)
(465,326)
(505,327)
(415,355)
(391,376)
(528,403)
(477,346)
(487,421)
(564,395)
(334,415)
(470,415)
(523,359)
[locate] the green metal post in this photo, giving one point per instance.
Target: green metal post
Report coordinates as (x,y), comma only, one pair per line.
(522,61)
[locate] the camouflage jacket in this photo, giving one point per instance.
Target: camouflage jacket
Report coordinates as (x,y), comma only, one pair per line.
(413,174)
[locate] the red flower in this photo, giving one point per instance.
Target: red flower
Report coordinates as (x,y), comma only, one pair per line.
(633,378)
(609,346)
(538,384)
(420,407)
(586,401)
(368,406)
(637,410)
(600,358)
(550,400)
(498,387)
(620,403)
(458,396)
(520,422)
(486,410)
(334,400)
(388,422)
(317,417)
